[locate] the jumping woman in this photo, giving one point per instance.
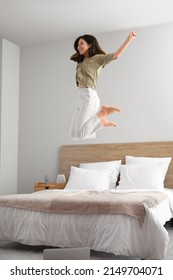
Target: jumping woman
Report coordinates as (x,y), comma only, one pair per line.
(90,60)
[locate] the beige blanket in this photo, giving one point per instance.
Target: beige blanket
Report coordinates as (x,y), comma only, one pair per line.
(86,202)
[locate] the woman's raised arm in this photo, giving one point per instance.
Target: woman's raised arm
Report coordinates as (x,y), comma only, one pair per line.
(123,47)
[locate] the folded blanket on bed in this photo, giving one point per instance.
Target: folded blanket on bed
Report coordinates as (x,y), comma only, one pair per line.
(86,202)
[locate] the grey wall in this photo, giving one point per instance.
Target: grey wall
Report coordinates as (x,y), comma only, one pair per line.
(9,112)
(0,94)
(140,83)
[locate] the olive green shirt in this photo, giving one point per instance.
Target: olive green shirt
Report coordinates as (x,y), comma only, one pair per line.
(87,71)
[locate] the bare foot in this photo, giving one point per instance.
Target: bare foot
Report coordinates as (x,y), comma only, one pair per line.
(105,122)
(110,110)
(107,111)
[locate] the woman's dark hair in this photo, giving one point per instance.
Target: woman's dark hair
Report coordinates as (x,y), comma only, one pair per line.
(93,50)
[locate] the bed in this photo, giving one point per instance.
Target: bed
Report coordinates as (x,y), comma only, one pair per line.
(38,219)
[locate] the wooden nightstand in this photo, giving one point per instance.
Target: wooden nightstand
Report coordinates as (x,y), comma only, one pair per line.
(40,186)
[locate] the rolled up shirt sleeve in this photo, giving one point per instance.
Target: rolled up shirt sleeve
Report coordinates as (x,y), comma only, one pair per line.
(103,59)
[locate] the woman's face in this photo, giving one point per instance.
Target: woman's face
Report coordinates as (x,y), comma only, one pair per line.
(83,47)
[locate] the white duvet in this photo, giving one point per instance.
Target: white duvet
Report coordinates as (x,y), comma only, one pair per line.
(118,234)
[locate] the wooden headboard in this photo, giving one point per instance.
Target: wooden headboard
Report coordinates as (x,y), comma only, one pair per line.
(73,155)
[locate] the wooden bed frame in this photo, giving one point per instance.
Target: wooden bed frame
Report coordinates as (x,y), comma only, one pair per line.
(73,155)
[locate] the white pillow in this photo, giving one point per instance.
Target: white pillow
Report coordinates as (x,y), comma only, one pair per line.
(162,162)
(111,165)
(141,177)
(88,179)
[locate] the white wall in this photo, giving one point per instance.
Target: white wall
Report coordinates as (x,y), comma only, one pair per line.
(140,83)
(0,95)
(9,109)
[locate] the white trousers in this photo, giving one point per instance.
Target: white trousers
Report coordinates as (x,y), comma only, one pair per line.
(85,122)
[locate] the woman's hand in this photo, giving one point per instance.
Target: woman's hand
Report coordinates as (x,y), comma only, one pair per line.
(132,35)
